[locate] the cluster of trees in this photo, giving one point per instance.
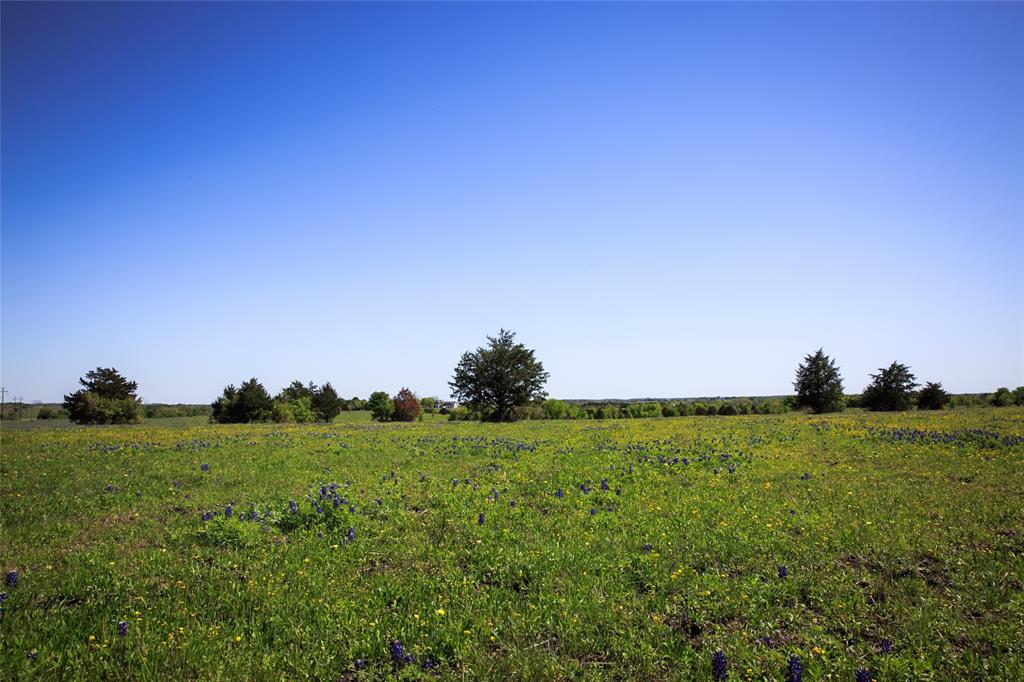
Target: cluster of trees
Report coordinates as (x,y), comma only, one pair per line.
(819,388)
(402,407)
(298,402)
(504,381)
(106,397)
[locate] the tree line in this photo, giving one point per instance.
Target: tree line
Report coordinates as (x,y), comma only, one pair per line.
(504,381)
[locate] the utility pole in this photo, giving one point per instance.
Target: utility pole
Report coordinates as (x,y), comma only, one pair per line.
(3,392)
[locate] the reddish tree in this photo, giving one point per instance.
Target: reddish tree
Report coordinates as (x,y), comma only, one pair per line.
(407,406)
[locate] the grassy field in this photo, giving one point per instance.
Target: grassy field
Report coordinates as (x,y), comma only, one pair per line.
(543,550)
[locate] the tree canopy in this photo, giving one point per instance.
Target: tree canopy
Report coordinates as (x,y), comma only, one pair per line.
(106,397)
(890,390)
(493,380)
(818,384)
(932,397)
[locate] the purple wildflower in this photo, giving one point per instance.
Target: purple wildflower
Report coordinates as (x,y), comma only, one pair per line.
(228,511)
(293,506)
(11,579)
(204,466)
(783,572)
(863,675)
(720,667)
(885,646)
(480,519)
(122,627)
(351,534)
(795,670)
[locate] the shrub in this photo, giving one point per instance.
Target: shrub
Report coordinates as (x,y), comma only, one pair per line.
(243,405)
(1018,395)
(890,390)
(406,406)
(932,397)
(106,397)
(381,406)
(1001,398)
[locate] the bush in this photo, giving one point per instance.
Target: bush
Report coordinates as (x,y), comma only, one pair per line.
(932,397)
(406,406)
(244,405)
(1001,398)
(381,406)
(106,397)
(460,413)
(890,390)
(1018,395)
(47,412)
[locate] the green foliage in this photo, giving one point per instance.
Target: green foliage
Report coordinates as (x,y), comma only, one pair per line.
(818,384)
(932,397)
(243,405)
(381,406)
(406,406)
(493,381)
(47,412)
(298,411)
(1001,398)
(1018,396)
(326,403)
(891,390)
(106,397)
(429,404)
(460,413)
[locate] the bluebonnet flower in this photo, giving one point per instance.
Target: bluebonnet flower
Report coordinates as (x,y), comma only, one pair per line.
(783,572)
(293,506)
(110,488)
(455,483)
(559,493)
(228,511)
(351,534)
(319,509)
(593,512)
(3,597)
(618,491)
(177,484)
(806,476)
(360,664)
(122,627)
(604,484)
(253,515)
(323,492)
(398,654)
(647,547)
(512,503)
(885,646)
(11,579)
(863,675)
(716,472)
(335,502)
(429,664)
(631,468)
(32,655)
(795,670)
(207,516)
(480,519)
(204,466)
(720,667)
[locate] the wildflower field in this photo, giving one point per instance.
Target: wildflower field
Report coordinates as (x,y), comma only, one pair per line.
(854,545)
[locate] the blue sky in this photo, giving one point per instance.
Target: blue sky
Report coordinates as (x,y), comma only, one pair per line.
(661,199)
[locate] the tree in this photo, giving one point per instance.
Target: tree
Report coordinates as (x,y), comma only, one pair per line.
(248,403)
(493,381)
(106,397)
(326,403)
(1018,395)
(932,397)
(818,384)
(890,390)
(406,406)
(1001,398)
(296,390)
(381,406)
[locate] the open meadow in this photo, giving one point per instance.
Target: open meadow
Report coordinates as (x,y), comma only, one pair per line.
(537,550)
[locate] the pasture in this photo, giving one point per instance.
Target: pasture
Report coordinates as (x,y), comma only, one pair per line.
(539,550)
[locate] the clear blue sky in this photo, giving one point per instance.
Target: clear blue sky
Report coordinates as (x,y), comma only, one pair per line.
(661,199)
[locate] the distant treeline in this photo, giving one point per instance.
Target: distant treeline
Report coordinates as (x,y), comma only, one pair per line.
(710,407)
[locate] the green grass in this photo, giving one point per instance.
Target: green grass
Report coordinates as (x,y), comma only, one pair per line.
(920,544)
